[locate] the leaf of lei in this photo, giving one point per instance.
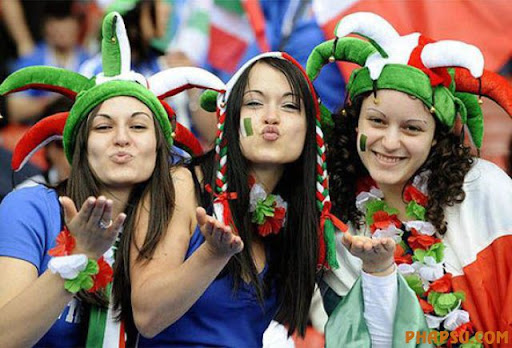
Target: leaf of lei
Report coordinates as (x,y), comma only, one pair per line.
(414,282)
(415,211)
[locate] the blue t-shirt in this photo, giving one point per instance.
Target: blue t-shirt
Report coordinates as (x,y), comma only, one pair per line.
(220,317)
(30,221)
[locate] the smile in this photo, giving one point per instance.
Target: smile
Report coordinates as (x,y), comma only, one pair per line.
(387,160)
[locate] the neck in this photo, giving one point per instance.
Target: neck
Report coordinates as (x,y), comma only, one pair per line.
(267,176)
(393,197)
(119,197)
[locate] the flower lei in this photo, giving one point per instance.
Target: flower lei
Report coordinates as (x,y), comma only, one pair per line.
(268,210)
(96,275)
(420,257)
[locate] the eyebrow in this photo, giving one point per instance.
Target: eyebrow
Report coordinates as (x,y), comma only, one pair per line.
(409,120)
(136,113)
(261,93)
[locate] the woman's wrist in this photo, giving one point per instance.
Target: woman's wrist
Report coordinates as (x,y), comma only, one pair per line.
(377,271)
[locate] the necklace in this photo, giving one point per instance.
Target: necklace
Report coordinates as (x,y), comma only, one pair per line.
(268,210)
(419,255)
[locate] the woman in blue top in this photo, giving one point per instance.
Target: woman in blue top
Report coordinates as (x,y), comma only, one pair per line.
(219,281)
(117,136)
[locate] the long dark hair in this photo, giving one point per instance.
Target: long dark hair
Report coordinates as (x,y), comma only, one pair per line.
(83,183)
(293,252)
(449,159)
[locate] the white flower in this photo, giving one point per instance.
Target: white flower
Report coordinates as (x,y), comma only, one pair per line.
(391,231)
(429,270)
(420,181)
(109,256)
(406,269)
(257,194)
(433,322)
(68,267)
(423,227)
(364,197)
(456,318)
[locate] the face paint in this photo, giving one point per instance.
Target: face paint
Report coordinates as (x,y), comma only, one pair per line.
(246,127)
(362,142)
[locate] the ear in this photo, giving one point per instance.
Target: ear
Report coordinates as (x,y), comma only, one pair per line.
(357,130)
(434,142)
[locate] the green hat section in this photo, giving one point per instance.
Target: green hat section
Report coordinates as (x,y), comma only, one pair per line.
(91,98)
(445,103)
(116,80)
(410,80)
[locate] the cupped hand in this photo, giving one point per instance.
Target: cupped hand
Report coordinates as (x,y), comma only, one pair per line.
(91,237)
(220,239)
(377,254)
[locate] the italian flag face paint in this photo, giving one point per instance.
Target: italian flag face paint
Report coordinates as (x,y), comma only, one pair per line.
(246,127)
(362,142)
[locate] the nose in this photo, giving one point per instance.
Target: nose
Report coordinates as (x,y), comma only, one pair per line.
(121,137)
(272,115)
(391,139)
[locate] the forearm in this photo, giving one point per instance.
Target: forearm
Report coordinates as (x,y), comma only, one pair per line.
(29,315)
(161,299)
(380,294)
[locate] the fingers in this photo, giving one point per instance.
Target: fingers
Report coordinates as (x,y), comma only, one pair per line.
(97,211)
(388,244)
(118,223)
(201,216)
(68,207)
(237,245)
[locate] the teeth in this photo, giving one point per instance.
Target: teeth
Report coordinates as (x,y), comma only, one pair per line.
(387,159)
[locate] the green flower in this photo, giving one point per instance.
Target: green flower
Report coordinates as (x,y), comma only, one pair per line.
(415,211)
(83,280)
(376,205)
(264,208)
(414,282)
(443,303)
(472,343)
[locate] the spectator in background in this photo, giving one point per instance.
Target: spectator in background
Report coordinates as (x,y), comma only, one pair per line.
(60,47)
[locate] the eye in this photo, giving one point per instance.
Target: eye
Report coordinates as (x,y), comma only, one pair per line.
(253,103)
(292,106)
(139,126)
(102,127)
(376,120)
(413,129)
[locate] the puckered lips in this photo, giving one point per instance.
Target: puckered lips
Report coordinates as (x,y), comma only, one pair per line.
(270,133)
(121,157)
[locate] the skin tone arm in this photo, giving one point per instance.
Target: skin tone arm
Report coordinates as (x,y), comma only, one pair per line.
(154,306)
(29,305)
(12,14)
(377,254)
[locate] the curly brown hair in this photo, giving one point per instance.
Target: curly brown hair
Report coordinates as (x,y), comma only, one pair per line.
(449,159)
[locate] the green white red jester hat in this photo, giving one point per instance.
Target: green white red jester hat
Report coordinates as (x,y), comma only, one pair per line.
(447,76)
(116,80)
(212,101)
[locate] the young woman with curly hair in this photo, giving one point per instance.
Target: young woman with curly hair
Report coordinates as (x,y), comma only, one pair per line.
(428,223)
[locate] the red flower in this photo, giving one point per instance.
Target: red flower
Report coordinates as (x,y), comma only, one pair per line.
(401,256)
(421,241)
(273,224)
(425,306)
(443,284)
(460,333)
(365,184)
(103,277)
(65,244)
(411,193)
(381,220)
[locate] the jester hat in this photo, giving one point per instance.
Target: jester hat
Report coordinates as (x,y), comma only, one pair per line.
(447,76)
(116,80)
(212,101)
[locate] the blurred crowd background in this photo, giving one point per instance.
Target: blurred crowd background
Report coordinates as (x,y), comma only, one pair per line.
(220,35)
